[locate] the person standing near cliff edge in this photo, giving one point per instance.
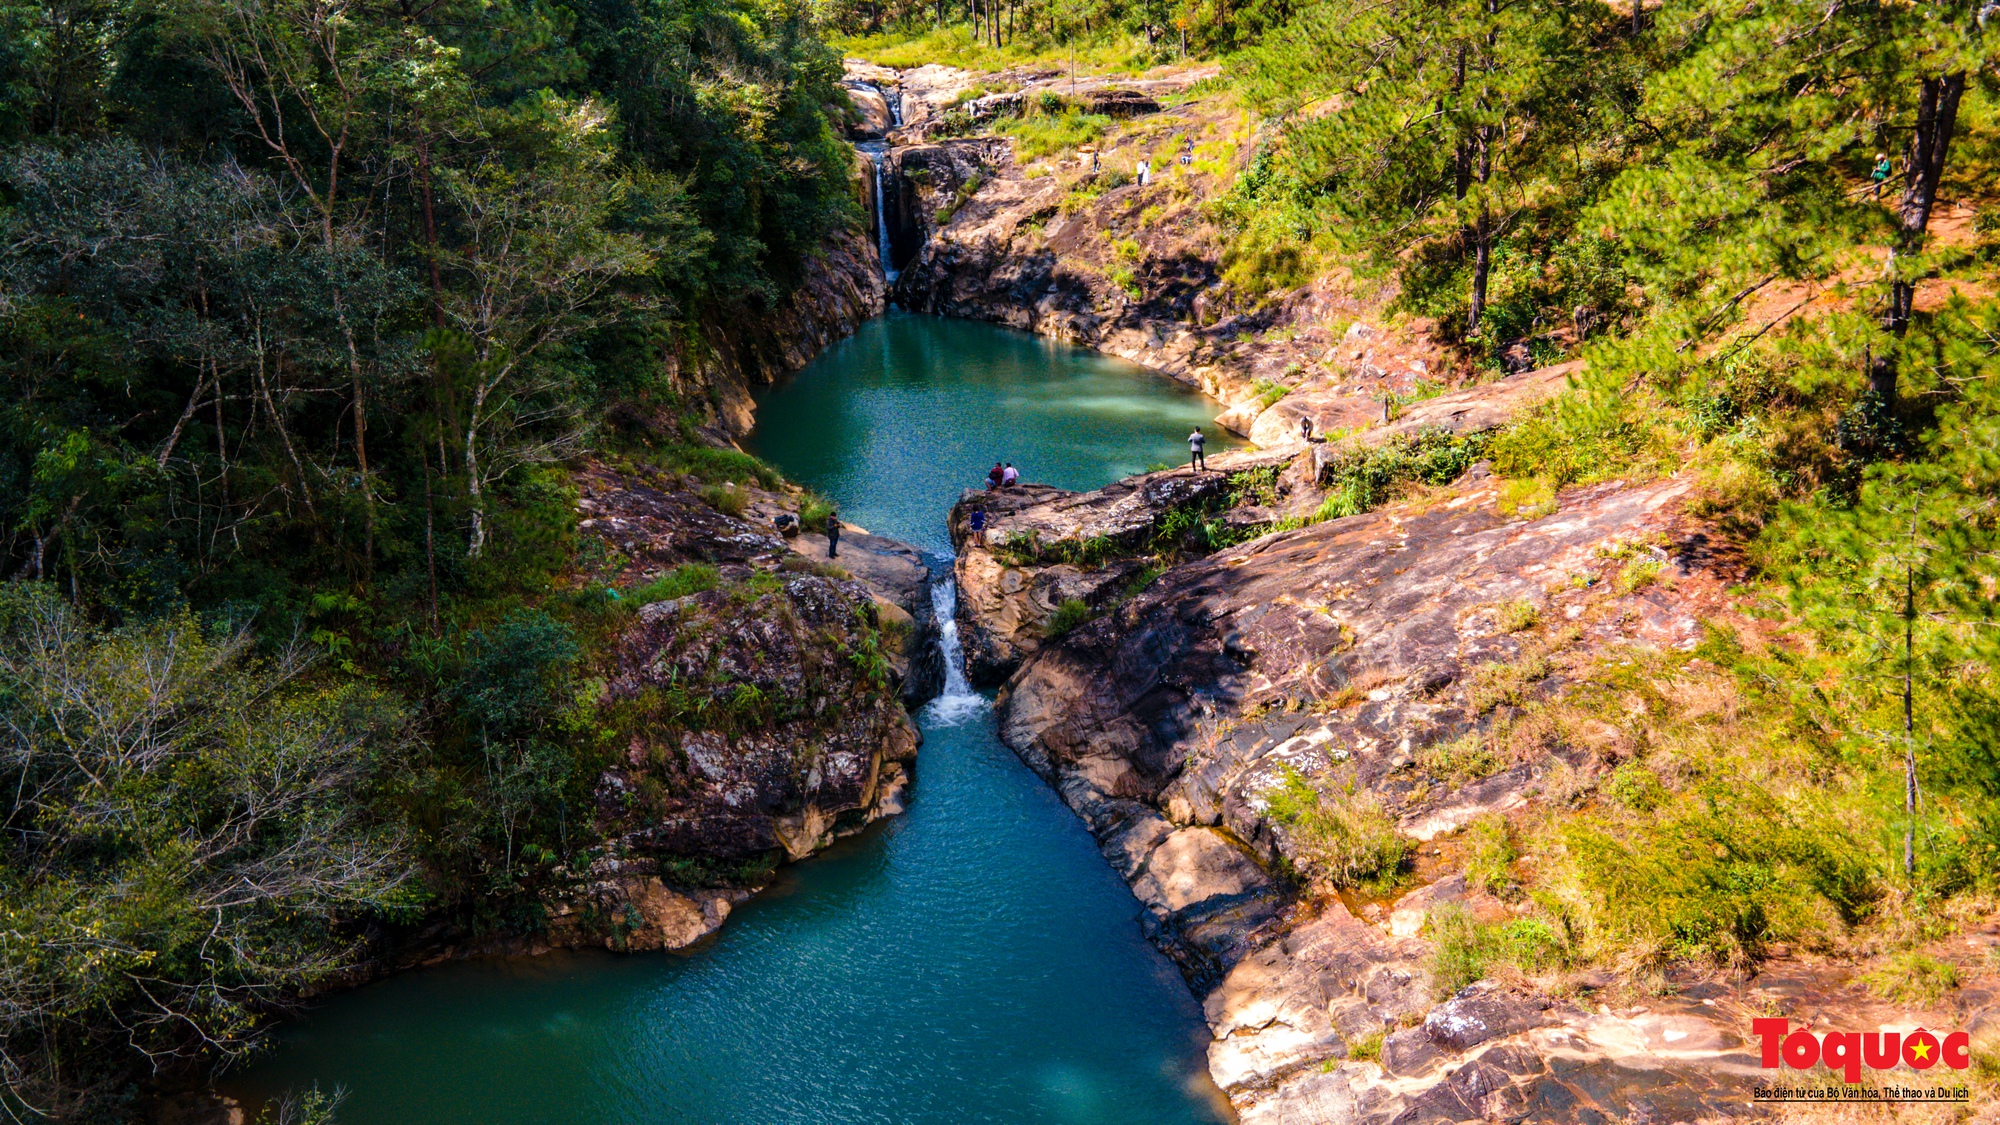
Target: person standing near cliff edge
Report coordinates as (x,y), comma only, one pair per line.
(833,535)
(1197,461)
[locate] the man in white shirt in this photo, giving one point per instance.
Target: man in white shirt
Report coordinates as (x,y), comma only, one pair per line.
(1009,476)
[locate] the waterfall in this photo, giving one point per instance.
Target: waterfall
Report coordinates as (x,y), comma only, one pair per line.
(957,703)
(882,244)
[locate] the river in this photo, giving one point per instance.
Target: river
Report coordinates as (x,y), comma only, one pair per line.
(973,960)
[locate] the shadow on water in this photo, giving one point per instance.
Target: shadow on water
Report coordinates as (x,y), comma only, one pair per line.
(974,960)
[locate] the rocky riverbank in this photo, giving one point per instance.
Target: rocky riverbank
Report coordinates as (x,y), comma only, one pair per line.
(1191,693)
(762,695)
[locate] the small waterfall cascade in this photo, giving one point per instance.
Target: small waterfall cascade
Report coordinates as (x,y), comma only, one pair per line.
(882,243)
(957,703)
(876,150)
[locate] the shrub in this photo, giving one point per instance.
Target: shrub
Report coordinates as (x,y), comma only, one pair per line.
(1070,614)
(1344,837)
(1361,480)
(1716,875)
(1366,1048)
(726,498)
(813,512)
(1467,950)
(1517,615)
(1528,499)
(1635,787)
(1636,575)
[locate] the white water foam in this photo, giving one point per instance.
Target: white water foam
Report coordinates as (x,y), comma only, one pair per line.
(957,704)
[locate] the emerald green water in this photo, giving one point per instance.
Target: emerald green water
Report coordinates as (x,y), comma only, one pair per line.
(973,960)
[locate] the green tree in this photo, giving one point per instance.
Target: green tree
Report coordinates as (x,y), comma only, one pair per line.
(190,827)
(1433,120)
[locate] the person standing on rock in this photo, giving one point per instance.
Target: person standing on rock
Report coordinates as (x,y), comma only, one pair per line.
(833,535)
(1197,461)
(1306,428)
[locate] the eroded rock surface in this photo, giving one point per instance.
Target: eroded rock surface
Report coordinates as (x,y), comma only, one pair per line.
(762,716)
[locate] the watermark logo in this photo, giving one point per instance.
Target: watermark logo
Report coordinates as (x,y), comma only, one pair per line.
(1848,1053)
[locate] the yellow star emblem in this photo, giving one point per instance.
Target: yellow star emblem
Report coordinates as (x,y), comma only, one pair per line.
(1921,1049)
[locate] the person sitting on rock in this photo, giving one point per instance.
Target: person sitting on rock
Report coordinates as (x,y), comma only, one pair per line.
(994,476)
(1010,476)
(1197,461)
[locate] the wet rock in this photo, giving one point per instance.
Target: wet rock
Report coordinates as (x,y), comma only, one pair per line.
(639,913)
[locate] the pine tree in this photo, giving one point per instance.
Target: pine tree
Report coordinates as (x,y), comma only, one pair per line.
(1433,119)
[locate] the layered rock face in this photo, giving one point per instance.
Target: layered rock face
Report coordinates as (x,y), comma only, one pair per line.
(751,345)
(762,717)
(1346,652)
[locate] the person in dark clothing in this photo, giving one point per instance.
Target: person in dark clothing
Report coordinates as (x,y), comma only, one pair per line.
(1306,428)
(833,535)
(993,476)
(977,520)
(1197,461)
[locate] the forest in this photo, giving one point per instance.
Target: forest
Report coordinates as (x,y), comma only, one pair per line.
(306,306)
(303,306)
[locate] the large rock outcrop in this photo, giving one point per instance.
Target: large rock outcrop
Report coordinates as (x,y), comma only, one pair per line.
(761,709)
(1345,651)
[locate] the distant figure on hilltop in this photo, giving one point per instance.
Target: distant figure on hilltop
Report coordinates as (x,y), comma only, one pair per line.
(1306,428)
(833,535)
(1197,461)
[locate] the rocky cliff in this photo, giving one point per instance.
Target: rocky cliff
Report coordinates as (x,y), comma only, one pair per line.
(742,346)
(759,696)
(1415,673)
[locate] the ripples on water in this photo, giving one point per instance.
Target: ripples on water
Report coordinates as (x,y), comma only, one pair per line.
(973,960)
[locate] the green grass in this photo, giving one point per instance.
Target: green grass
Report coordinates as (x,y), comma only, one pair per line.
(1037,134)
(1344,837)
(712,464)
(1490,854)
(725,499)
(954,45)
(688,578)
(1467,950)
(1913,978)
(1366,1048)
(1468,757)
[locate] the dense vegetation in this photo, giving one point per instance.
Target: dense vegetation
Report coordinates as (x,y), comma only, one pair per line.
(302,305)
(1732,213)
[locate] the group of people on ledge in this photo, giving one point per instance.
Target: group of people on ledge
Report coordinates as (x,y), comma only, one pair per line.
(1002,475)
